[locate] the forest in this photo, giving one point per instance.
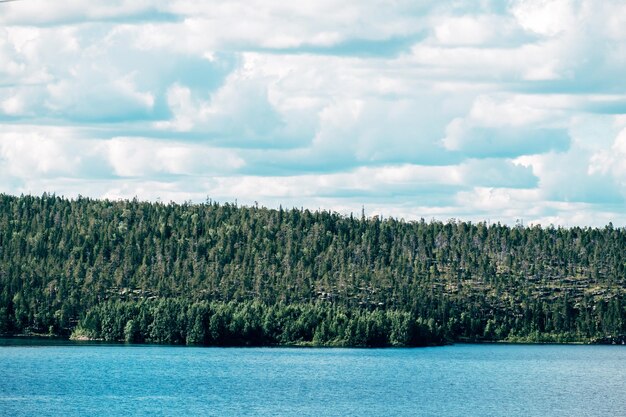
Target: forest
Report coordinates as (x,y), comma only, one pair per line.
(226,275)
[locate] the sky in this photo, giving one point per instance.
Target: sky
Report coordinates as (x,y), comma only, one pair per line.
(486,110)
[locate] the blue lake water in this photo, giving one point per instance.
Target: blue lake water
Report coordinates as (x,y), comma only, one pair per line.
(459,380)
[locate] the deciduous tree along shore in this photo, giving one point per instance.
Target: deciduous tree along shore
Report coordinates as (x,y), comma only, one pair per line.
(219,274)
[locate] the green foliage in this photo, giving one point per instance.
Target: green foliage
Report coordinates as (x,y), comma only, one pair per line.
(220,275)
(251,323)
(131,331)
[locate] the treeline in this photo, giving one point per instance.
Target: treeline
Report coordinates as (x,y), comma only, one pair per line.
(61,260)
(252,323)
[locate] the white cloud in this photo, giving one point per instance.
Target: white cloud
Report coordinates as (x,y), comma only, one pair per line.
(482,30)
(240,113)
(510,126)
(611,161)
(43,12)
(135,157)
(93,95)
(489,109)
(505,201)
(36,152)
(32,152)
(517,110)
(13,105)
(54,73)
(545,17)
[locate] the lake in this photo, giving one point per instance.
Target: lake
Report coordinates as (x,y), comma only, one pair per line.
(66,379)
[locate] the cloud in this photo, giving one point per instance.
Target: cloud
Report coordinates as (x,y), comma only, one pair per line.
(611,162)
(61,12)
(547,18)
(486,30)
(57,78)
(567,177)
(498,173)
(87,98)
(392,46)
(239,114)
(133,157)
(529,207)
(326,27)
(508,126)
(483,142)
(26,155)
(32,154)
(489,109)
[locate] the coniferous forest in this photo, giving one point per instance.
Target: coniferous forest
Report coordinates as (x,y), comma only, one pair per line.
(219,274)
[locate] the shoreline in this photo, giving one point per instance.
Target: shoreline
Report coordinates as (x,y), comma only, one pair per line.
(83,339)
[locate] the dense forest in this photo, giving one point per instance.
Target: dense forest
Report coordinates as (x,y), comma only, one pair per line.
(219,274)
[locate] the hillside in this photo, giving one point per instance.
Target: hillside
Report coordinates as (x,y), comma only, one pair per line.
(221,274)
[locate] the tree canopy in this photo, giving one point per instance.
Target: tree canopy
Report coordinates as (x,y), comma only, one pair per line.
(175,273)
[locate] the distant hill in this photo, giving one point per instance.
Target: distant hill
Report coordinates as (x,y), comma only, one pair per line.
(221,274)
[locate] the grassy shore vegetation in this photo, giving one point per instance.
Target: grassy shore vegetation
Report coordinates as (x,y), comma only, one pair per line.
(219,274)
